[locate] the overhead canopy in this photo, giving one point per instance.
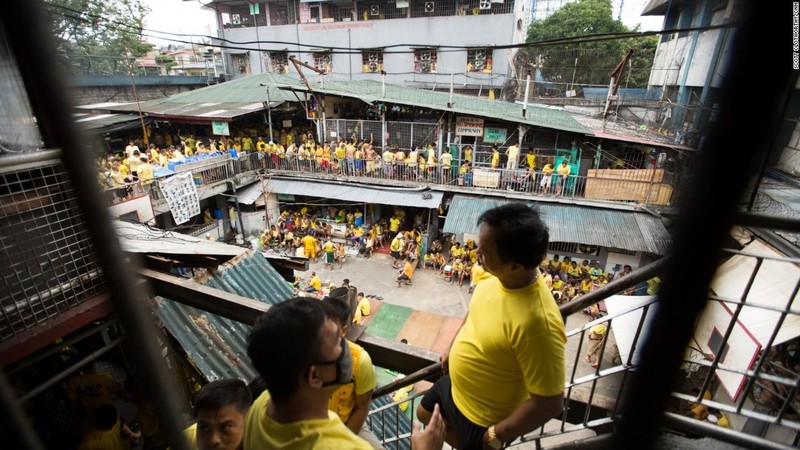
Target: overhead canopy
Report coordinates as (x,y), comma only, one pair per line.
(108,123)
(772,287)
(417,197)
(627,230)
(220,102)
(137,238)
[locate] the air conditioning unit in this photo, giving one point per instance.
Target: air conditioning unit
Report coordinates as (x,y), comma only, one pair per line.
(485,4)
(374,10)
(429,7)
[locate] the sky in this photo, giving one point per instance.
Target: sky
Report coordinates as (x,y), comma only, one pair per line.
(180,16)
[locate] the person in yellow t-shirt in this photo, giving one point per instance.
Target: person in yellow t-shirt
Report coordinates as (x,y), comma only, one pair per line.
(563,173)
(351,401)
(330,258)
(407,272)
(363,308)
(310,247)
(315,360)
(107,432)
(495,157)
(505,369)
(547,178)
(314,284)
(219,411)
(530,160)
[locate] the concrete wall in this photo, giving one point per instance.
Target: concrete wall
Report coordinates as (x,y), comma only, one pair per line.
(419,32)
(88,95)
(671,56)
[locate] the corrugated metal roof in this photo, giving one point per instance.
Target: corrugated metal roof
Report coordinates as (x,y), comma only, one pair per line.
(371,91)
(137,238)
(217,346)
(417,197)
(107,123)
(222,101)
(632,231)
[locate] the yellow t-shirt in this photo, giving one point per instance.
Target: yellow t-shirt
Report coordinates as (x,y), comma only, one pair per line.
(511,346)
(328,247)
(495,159)
(104,440)
(262,432)
(394,224)
(343,400)
(309,242)
(316,283)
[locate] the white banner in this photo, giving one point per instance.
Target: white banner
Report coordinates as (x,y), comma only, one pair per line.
(469,126)
(181,195)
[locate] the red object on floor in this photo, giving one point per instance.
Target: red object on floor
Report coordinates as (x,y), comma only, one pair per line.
(385,250)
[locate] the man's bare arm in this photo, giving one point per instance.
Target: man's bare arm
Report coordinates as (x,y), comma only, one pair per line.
(528,416)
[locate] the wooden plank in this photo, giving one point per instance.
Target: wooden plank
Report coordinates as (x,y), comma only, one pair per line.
(649,175)
(421,329)
(447,332)
(639,191)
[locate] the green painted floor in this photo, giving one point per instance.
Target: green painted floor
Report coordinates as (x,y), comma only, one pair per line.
(389,320)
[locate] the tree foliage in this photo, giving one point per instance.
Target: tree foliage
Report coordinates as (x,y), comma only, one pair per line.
(588,62)
(100,30)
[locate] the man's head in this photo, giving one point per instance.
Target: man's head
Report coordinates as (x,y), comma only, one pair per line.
(563,162)
(512,238)
(220,408)
(342,311)
(302,333)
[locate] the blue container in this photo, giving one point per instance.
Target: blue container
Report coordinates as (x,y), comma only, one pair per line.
(218,214)
(234,155)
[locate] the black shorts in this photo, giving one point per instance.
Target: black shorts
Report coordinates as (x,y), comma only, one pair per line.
(396,255)
(468,434)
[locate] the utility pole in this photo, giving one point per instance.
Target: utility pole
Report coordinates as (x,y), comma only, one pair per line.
(613,86)
(297,63)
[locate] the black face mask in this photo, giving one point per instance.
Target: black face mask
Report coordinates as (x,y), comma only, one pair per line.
(344,366)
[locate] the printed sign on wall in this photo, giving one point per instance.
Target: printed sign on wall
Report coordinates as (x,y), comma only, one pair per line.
(494,135)
(469,126)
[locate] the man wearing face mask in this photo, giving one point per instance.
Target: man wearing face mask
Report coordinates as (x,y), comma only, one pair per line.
(351,400)
(298,349)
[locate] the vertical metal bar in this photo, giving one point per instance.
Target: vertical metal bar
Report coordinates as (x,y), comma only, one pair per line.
(28,35)
(720,180)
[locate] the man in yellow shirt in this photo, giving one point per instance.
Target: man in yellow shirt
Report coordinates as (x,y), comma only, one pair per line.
(310,247)
(351,401)
(329,248)
(505,368)
(495,157)
(314,284)
(547,178)
(512,152)
(407,272)
(298,349)
(219,410)
(563,173)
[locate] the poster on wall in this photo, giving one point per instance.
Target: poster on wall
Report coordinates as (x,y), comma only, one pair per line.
(494,135)
(181,195)
(469,126)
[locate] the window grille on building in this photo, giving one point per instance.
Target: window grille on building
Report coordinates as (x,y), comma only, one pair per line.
(372,61)
(323,61)
(425,60)
(279,62)
(479,60)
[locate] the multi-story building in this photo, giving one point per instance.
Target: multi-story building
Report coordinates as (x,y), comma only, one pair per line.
(415,42)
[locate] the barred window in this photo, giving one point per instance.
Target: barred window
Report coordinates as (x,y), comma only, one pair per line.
(323,61)
(479,60)
(279,62)
(372,61)
(425,60)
